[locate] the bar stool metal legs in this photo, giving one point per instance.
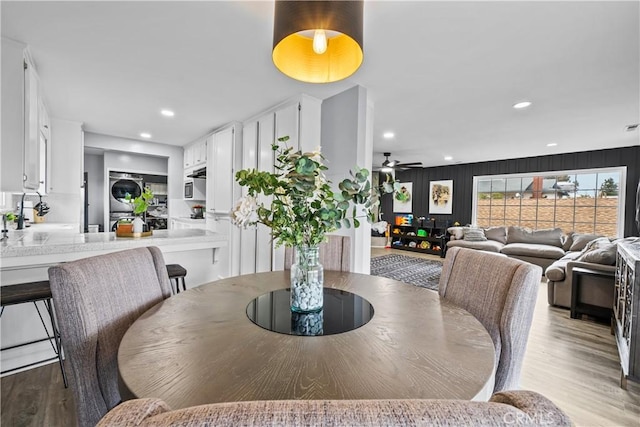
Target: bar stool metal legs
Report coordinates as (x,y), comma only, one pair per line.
(35,292)
(176,275)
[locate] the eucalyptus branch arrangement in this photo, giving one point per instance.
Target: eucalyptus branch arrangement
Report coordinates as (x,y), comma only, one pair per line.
(297,202)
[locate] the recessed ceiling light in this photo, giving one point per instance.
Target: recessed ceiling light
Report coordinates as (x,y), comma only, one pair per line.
(520,105)
(167,113)
(388,135)
(448,158)
(552,144)
(145,135)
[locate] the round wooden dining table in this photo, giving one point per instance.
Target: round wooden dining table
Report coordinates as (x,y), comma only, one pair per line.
(200,347)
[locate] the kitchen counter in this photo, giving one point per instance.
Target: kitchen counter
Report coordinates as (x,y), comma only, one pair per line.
(27,255)
(24,246)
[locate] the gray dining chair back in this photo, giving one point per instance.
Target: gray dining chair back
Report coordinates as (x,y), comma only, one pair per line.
(501,293)
(96,300)
(335,254)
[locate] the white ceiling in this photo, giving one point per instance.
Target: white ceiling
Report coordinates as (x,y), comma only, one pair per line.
(443,75)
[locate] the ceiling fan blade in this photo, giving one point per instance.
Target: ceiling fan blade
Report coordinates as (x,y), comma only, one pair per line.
(410,164)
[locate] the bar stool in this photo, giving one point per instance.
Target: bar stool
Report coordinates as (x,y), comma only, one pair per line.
(34,292)
(176,274)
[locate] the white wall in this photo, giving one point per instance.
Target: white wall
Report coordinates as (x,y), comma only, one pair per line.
(174,155)
(347,140)
(135,163)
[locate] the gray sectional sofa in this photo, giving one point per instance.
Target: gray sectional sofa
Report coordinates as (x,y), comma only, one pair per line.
(539,247)
(556,253)
(585,251)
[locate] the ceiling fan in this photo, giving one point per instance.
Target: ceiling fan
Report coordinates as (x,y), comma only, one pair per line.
(395,164)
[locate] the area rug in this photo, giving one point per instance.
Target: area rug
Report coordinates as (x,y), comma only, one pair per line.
(415,271)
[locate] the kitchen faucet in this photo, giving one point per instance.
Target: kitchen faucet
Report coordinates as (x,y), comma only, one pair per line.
(21,214)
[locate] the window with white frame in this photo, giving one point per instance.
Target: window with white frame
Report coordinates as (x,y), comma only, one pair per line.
(585,201)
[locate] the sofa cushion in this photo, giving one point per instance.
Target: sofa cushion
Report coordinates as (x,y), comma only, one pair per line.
(487,245)
(533,250)
(580,240)
(570,256)
(550,236)
(474,235)
(499,234)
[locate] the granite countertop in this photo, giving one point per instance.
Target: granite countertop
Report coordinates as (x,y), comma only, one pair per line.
(32,242)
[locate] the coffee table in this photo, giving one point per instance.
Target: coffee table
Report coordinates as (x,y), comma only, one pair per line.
(200,347)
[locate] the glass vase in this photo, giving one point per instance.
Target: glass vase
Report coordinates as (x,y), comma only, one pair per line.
(307,279)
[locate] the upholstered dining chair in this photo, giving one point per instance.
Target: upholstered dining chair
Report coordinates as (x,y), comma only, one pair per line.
(96,300)
(335,254)
(501,293)
(519,407)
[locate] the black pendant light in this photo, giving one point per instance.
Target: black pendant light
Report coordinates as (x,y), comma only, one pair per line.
(318,41)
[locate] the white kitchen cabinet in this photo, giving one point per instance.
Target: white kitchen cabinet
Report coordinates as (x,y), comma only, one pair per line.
(200,152)
(248,235)
(224,158)
(32,130)
(195,154)
(44,137)
(222,188)
(20,146)
(300,119)
(67,158)
(265,247)
(188,156)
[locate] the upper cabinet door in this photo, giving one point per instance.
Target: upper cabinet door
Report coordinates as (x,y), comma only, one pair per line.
(287,125)
(223,179)
(188,156)
(248,235)
(31,166)
(44,147)
(199,152)
(265,158)
(67,155)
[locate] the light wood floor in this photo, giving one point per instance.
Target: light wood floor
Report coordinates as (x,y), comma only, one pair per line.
(572,362)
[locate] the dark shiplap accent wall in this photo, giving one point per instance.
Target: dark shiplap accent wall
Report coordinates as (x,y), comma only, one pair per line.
(462,176)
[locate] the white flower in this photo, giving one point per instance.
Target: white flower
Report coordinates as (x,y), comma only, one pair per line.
(316,155)
(244,212)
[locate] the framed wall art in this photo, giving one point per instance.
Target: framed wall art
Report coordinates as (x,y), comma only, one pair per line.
(440,197)
(402,198)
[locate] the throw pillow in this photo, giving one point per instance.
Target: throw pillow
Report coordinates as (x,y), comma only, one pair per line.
(605,255)
(580,241)
(474,235)
(567,241)
(456,233)
(598,251)
(499,234)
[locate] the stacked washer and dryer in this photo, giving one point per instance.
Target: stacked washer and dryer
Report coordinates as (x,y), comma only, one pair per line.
(121,184)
